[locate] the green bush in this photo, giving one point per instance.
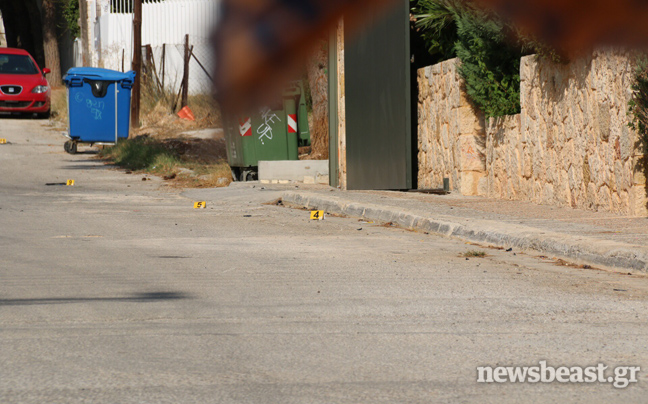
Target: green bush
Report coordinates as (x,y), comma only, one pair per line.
(490,64)
(141,153)
(436,21)
(489,49)
(639,103)
(70,11)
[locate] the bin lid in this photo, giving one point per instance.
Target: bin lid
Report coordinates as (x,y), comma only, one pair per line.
(95,73)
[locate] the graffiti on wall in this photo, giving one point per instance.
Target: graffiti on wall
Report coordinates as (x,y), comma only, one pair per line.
(268,119)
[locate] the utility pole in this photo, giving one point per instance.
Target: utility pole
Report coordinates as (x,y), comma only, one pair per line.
(85,37)
(185,76)
(137,62)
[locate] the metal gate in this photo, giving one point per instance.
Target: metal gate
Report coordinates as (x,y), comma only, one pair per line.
(378,104)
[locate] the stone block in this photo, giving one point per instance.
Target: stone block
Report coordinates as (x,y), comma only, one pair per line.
(292,170)
(470,183)
(605,197)
(625,202)
(469,123)
(639,177)
(445,137)
(603,120)
(527,165)
(322,179)
(592,196)
(623,177)
(638,201)
(627,142)
(309,179)
(471,153)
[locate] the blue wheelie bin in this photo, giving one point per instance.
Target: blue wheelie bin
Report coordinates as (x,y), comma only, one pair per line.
(99,103)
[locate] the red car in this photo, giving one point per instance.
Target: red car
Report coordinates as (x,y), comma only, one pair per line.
(23,86)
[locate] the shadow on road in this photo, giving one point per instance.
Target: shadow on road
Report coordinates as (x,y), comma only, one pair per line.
(90,151)
(137,298)
(87,165)
(19,116)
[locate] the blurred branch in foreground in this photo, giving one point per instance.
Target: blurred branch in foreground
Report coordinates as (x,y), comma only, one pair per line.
(260,44)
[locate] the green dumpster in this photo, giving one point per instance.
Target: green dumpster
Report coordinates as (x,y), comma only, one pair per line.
(273,133)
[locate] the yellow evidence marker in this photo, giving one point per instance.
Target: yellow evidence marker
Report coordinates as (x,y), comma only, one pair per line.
(70,183)
(3,141)
(317,215)
(200,205)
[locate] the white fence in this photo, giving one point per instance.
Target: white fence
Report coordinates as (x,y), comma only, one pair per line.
(164,23)
(3,38)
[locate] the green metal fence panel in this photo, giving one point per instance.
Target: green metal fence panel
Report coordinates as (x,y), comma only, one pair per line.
(378,114)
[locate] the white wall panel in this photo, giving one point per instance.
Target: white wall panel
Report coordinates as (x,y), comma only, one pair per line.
(167,23)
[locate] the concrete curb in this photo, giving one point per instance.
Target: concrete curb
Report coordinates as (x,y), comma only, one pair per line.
(582,250)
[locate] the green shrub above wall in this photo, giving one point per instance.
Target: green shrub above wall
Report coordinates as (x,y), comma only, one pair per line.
(639,104)
(490,64)
(489,49)
(437,26)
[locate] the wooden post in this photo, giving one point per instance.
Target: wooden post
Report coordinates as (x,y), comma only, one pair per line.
(137,62)
(185,77)
(83,18)
(149,59)
(163,63)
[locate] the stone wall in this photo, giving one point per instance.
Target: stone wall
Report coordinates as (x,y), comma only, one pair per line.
(451,133)
(571,144)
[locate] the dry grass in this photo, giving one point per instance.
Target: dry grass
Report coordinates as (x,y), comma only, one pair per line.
(205,176)
(59,106)
(157,147)
(170,159)
(474,254)
(158,117)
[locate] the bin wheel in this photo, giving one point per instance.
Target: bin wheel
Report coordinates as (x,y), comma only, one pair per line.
(70,147)
(248,175)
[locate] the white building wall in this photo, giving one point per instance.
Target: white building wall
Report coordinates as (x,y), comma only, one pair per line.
(3,38)
(164,23)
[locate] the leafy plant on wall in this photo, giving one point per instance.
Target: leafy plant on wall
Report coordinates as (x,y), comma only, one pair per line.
(490,63)
(489,49)
(436,21)
(638,104)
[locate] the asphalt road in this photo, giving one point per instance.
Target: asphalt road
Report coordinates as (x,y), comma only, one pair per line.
(117,291)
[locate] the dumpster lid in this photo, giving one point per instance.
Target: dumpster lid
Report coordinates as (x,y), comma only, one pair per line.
(95,73)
